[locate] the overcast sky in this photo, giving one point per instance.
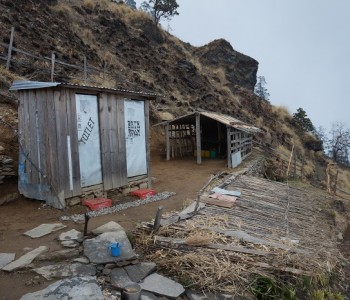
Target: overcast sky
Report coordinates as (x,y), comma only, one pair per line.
(302,46)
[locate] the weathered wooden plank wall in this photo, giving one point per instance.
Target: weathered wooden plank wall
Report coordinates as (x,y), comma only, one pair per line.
(112,128)
(49,136)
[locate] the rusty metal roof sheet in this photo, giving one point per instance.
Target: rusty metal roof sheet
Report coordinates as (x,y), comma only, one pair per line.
(30,85)
(222,118)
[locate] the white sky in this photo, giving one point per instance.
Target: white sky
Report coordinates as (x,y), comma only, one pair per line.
(302,46)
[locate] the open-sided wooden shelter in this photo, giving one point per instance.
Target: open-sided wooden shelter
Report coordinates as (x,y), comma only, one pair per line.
(77,139)
(209,134)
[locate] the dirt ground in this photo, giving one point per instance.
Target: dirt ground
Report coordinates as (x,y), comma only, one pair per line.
(184,177)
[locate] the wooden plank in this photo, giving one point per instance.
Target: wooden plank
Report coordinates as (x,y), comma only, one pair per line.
(33,131)
(104,116)
(121,143)
(72,131)
(211,201)
(64,175)
(167,141)
(26,132)
(41,111)
(9,52)
(198,138)
(52,147)
(53,57)
(148,146)
(229,163)
(113,136)
(157,219)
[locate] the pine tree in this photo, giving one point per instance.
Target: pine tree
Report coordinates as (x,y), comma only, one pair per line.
(261,90)
(301,120)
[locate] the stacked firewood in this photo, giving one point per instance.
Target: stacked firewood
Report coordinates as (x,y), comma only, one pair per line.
(6,166)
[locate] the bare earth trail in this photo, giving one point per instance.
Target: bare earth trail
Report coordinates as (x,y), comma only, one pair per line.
(184,177)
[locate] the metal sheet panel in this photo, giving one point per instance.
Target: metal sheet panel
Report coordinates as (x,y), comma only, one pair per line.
(89,140)
(135,135)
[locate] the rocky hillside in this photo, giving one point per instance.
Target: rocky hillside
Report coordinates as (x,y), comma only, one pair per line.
(140,56)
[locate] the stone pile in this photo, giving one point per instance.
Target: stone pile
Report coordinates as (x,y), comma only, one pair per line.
(6,166)
(89,267)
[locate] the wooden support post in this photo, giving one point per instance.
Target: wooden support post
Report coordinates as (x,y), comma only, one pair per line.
(156,224)
(198,138)
(167,141)
(104,70)
(87,218)
(229,162)
(290,160)
(85,68)
(53,58)
(148,145)
(9,52)
(295,164)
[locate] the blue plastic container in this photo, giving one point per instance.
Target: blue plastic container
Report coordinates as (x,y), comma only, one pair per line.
(115,249)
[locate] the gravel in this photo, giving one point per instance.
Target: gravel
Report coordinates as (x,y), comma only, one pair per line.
(119,207)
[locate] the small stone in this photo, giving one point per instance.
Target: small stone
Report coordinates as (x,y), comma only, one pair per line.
(83,260)
(70,244)
(110,266)
(70,235)
(143,186)
(60,271)
(106,271)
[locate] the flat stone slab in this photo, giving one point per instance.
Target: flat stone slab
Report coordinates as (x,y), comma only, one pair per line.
(119,277)
(83,260)
(108,227)
(160,285)
(44,229)
(62,271)
(70,235)
(148,296)
(97,249)
(25,259)
(70,244)
(70,288)
(140,271)
(59,255)
(6,258)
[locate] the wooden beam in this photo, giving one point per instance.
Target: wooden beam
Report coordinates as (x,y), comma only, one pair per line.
(52,65)
(167,141)
(198,138)
(156,224)
(229,163)
(9,52)
(148,145)
(85,68)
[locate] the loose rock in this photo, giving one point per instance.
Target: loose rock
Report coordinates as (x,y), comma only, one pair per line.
(44,229)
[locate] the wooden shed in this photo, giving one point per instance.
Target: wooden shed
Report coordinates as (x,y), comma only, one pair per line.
(209,135)
(77,140)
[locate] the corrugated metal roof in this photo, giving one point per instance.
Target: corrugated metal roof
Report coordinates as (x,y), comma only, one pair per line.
(30,85)
(222,118)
